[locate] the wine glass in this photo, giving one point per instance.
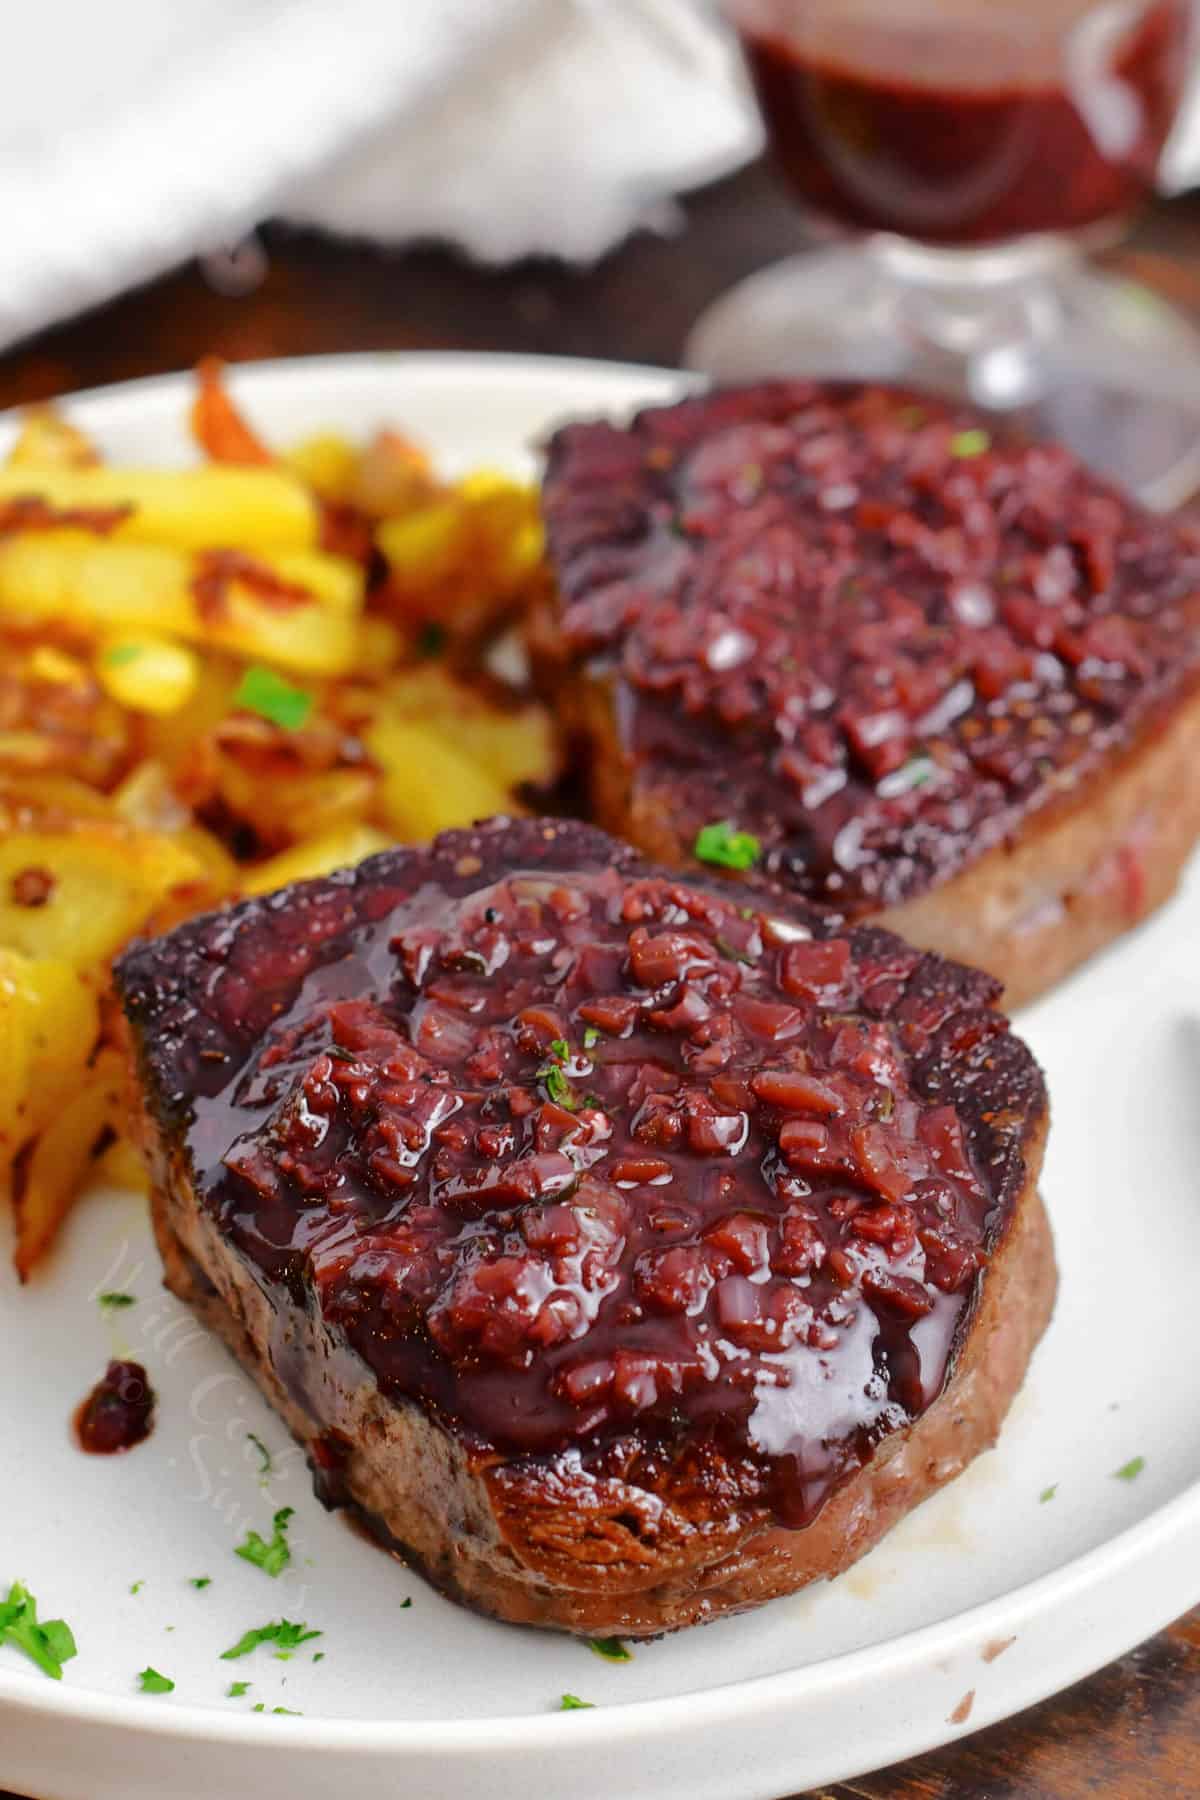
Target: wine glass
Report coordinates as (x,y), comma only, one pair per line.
(965,157)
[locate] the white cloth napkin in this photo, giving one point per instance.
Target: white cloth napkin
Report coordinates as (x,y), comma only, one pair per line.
(138,132)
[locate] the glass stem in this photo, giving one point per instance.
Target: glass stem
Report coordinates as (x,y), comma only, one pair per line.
(976,320)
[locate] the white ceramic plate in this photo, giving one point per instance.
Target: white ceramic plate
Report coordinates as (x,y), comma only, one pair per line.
(428,1701)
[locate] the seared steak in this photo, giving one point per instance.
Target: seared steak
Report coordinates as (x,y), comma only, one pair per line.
(627,1250)
(944,682)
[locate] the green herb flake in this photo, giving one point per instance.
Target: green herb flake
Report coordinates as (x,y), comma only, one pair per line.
(970,443)
(264,1453)
(431,639)
(318,1656)
(264,692)
(115,1302)
(136,1587)
(283,1633)
(201,1581)
(406,1603)
(611,1649)
(591,1037)
(1131,1470)
(558,1087)
(273,1557)
(120,655)
(49,1644)
(260,1706)
(719,843)
(154,1683)
(1047,1493)
(236,1689)
(572,1703)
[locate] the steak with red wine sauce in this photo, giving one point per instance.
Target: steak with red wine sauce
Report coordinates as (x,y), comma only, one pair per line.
(625,1248)
(943,681)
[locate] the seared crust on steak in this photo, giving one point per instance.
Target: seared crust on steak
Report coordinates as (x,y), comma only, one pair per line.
(613,1334)
(947,684)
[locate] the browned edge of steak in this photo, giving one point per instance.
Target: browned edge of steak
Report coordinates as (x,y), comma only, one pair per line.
(1082,870)
(531,1542)
(539,1539)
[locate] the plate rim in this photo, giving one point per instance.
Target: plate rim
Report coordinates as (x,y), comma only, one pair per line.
(1151,1542)
(943,1638)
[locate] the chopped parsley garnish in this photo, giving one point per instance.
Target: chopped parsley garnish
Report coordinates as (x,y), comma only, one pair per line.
(591,1037)
(611,1649)
(236,1689)
(201,1581)
(264,1453)
(552,1073)
(114,1302)
(121,654)
(572,1703)
(273,1557)
(154,1683)
(1131,1470)
(719,843)
(264,692)
(1048,1493)
(970,443)
(260,1706)
(318,1656)
(431,639)
(283,1633)
(136,1587)
(48,1643)
(405,1603)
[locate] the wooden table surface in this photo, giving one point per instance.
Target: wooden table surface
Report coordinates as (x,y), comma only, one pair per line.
(1133,1731)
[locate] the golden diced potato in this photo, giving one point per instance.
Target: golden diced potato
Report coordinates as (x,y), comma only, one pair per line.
(62,1156)
(71,575)
(64,1023)
(15,1036)
(79,895)
(393,475)
(47,440)
(422,547)
(515,744)
(315,856)
(429,785)
(47,663)
(51,802)
(147,674)
(147,801)
(327,462)
(380,644)
(123,1166)
(190,509)
(49,1022)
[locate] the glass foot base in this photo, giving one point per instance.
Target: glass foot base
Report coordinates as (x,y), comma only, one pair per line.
(1096,361)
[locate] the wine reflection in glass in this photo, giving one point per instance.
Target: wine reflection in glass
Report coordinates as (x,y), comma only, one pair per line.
(963,159)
